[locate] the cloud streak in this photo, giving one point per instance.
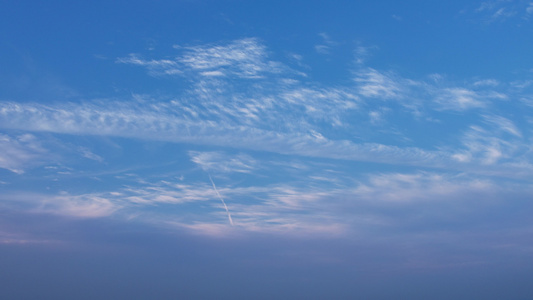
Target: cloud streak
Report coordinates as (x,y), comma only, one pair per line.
(221,200)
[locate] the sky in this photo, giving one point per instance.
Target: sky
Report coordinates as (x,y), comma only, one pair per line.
(203,149)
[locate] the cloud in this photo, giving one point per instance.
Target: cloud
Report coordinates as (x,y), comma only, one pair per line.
(90,155)
(221,162)
(156,67)
(327,44)
(19,152)
(487,82)
(489,145)
(362,53)
(245,58)
(375,84)
(503,124)
(82,206)
(414,187)
(500,10)
(89,205)
(174,122)
(165,192)
(299,118)
(459,99)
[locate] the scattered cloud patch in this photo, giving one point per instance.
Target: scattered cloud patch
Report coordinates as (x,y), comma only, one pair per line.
(459,99)
(79,206)
(326,45)
(486,82)
(414,187)
(501,10)
(19,152)
(245,58)
(221,162)
(375,84)
(90,155)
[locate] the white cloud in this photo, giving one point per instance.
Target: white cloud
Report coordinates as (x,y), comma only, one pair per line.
(167,192)
(90,155)
(361,53)
(487,145)
(155,67)
(245,58)
(503,124)
(322,49)
(376,117)
(221,162)
(487,82)
(375,84)
(19,152)
(79,206)
(300,118)
(499,10)
(458,99)
(416,187)
(327,44)
(165,122)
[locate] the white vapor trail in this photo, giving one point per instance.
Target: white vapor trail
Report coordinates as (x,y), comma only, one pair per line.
(221,199)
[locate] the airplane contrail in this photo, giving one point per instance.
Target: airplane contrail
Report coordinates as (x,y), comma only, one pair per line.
(221,199)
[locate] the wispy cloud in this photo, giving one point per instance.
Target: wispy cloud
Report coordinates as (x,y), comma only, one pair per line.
(501,10)
(156,67)
(503,124)
(362,53)
(459,99)
(81,206)
(326,45)
(489,144)
(375,84)
(413,187)
(90,155)
(241,109)
(487,82)
(221,162)
(19,152)
(245,58)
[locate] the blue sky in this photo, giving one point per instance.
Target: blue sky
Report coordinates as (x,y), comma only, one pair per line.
(266,149)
